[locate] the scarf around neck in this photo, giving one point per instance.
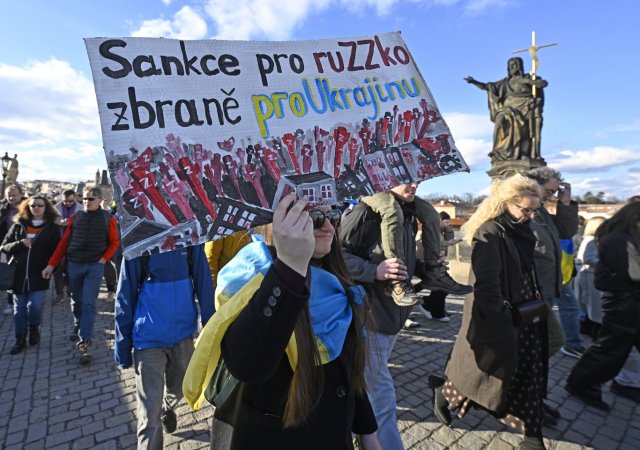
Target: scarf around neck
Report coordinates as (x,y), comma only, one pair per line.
(522,237)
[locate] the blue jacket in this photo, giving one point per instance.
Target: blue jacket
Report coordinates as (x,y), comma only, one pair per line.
(161,311)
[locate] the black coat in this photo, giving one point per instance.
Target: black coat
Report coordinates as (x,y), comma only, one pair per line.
(30,261)
(483,358)
(254,351)
(5,207)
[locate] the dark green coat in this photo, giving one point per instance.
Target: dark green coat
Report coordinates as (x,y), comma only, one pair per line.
(549,229)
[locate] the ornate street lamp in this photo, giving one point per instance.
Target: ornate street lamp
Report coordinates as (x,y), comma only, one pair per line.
(6,160)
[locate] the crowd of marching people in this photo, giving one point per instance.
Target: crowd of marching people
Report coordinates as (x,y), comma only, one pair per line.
(297,321)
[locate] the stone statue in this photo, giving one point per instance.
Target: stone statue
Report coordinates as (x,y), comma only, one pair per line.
(515,106)
(12,171)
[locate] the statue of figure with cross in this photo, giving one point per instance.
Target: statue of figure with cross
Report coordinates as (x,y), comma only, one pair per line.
(515,105)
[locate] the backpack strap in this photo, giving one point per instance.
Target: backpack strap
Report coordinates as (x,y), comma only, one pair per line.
(146,274)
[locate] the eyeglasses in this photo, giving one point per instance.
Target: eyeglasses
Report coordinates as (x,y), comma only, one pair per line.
(89,199)
(318,217)
(36,205)
(527,211)
(550,192)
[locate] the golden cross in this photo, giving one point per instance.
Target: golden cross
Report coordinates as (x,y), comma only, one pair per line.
(534,57)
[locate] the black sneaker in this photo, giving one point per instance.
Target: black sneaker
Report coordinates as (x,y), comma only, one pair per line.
(590,396)
(402,293)
(75,337)
(85,353)
(573,352)
(440,280)
(169,421)
(630,392)
(21,343)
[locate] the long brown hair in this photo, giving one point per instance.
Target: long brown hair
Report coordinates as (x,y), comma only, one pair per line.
(24,212)
(307,382)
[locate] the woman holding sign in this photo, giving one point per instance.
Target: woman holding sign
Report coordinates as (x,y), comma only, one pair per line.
(289,325)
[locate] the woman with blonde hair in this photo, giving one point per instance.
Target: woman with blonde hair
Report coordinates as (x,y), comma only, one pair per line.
(498,361)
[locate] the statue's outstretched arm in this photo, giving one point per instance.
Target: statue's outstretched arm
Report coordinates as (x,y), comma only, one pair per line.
(476,83)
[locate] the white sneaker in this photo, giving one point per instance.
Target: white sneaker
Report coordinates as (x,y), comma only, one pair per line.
(8,310)
(424,312)
(443,319)
(410,324)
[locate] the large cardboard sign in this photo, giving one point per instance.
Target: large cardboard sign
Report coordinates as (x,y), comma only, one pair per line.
(203,138)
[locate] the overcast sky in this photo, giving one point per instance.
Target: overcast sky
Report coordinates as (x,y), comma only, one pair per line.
(591,132)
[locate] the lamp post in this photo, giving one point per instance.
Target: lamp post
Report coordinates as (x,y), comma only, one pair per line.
(6,160)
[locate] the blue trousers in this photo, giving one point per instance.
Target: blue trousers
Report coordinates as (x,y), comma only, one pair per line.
(569,310)
(382,393)
(84,281)
(27,310)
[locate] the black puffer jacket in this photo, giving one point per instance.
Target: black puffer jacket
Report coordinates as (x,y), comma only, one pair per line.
(30,261)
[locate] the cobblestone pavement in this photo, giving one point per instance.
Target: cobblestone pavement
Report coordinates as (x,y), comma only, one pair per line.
(48,401)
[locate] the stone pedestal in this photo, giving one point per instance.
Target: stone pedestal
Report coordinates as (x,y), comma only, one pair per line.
(504,169)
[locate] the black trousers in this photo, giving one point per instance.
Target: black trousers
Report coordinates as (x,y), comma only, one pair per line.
(619,333)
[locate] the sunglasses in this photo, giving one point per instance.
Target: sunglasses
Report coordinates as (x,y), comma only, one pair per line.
(527,212)
(318,217)
(36,205)
(89,199)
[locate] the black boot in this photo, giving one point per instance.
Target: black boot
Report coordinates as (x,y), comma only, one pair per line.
(34,334)
(440,404)
(21,343)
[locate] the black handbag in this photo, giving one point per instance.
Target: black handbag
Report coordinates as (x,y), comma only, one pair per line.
(7,275)
(530,311)
(221,385)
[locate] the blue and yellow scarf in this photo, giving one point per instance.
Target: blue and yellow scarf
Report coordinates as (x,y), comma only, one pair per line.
(330,311)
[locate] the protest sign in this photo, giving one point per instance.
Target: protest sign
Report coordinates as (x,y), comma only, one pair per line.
(203,138)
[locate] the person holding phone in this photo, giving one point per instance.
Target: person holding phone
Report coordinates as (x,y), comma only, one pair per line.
(297,344)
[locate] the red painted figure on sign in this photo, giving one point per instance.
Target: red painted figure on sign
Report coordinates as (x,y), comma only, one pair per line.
(136,202)
(175,145)
(408,120)
(217,167)
(307,153)
(321,148)
(148,182)
(252,174)
(269,160)
(384,129)
(175,191)
(320,151)
(365,136)
(353,152)
(188,172)
(289,140)
(429,116)
(341,136)
(231,169)
(142,161)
